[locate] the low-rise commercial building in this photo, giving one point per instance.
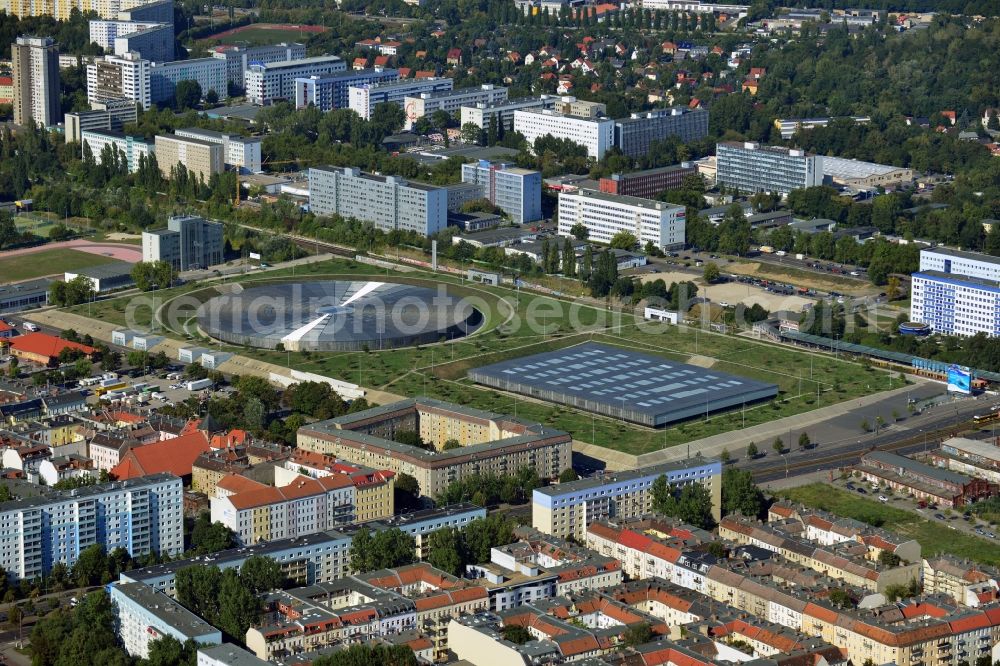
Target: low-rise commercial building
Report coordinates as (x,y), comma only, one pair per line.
(864,175)
(566,509)
(972,457)
(144,615)
(604,215)
(489,443)
(105,277)
(925,482)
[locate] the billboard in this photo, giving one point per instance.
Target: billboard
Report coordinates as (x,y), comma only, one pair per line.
(959,379)
(255,256)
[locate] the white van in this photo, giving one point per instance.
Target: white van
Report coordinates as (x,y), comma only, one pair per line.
(28,326)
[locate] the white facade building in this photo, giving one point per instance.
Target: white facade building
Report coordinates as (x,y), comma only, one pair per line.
(208,73)
(957,293)
(604,215)
(145,615)
(517,191)
(132,147)
(597,135)
(141,515)
(484,116)
(364,98)
(451,101)
(239,58)
(270,82)
(750,167)
(124,77)
(388,202)
(239,152)
(35,70)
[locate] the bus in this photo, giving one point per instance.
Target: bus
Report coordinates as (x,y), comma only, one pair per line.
(103,390)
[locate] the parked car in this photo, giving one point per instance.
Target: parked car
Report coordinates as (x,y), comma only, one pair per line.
(883,498)
(940,516)
(862,491)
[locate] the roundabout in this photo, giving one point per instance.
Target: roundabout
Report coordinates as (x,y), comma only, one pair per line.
(337,315)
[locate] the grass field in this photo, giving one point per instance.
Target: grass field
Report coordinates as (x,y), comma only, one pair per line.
(262,34)
(933,537)
(47,262)
(806,381)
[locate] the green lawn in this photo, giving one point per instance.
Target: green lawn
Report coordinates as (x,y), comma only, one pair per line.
(47,262)
(934,538)
(806,381)
(258,36)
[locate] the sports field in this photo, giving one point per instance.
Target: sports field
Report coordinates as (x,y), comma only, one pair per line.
(264,33)
(806,381)
(47,262)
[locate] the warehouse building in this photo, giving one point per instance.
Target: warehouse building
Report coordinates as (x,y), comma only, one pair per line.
(864,175)
(641,388)
(106,277)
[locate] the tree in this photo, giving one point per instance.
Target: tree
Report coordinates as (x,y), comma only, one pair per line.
(804,441)
(187,94)
(637,634)
(568,474)
(740,493)
(691,503)
(515,633)
(450,444)
(889,559)
(410,438)
(580,231)
(726,457)
(711,272)
(383,550)
(238,607)
(150,275)
(752,451)
(568,258)
(624,240)
(168,651)
(407,493)
(778,446)
(841,598)
(91,566)
(212,97)
(369,654)
(78,290)
(261,574)
(445,551)
(471,133)
(208,537)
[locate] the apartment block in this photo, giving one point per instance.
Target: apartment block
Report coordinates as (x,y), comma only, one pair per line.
(597,135)
(152,41)
(320,557)
(364,98)
(451,101)
(116,78)
(62,10)
(388,202)
(208,73)
(500,116)
(636,134)
(749,167)
(956,292)
(489,443)
(140,515)
(144,615)
(331,92)
(238,152)
(649,183)
(604,215)
(35,74)
(267,83)
(188,242)
(517,191)
(103,116)
(133,148)
(239,58)
(566,509)
(373,489)
(202,158)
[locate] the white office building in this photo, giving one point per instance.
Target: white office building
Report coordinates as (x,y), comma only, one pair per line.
(153,41)
(143,515)
(271,82)
(188,242)
(209,73)
(388,202)
(957,293)
(238,152)
(132,147)
(517,191)
(239,58)
(604,215)
(124,77)
(145,615)
(751,167)
(364,98)
(597,135)
(451,101)
(501,115)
